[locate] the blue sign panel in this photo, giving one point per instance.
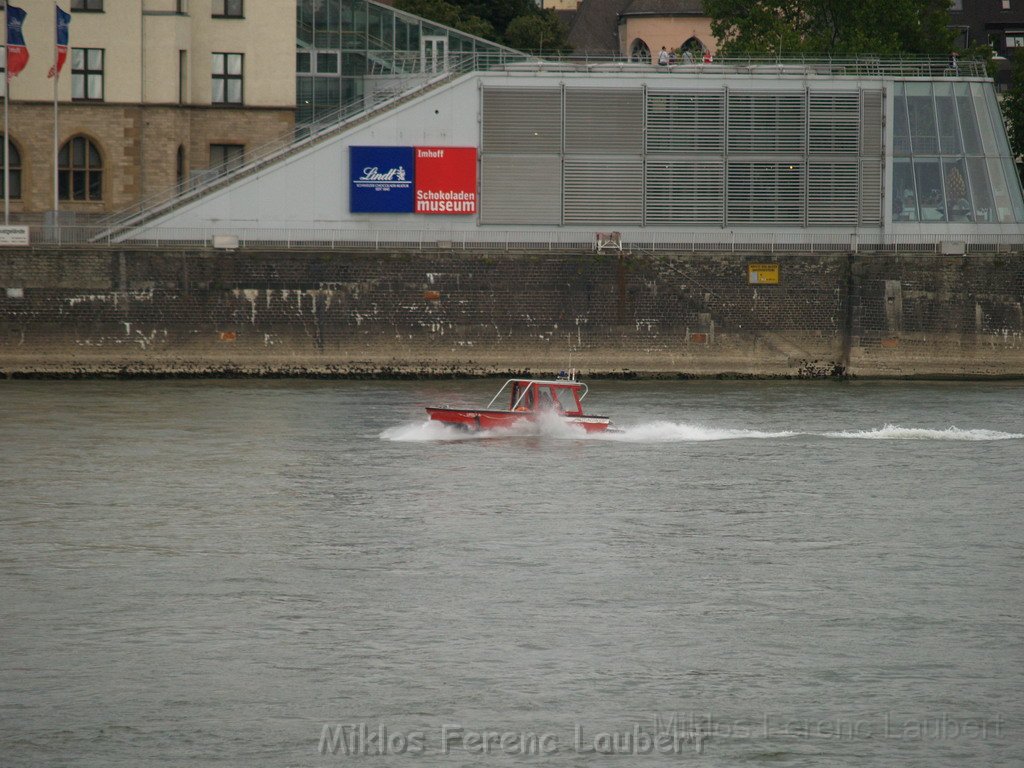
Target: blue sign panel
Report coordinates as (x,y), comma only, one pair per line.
(381,179)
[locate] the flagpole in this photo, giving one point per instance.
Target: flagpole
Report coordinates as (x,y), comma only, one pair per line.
(7,135)
(56,79)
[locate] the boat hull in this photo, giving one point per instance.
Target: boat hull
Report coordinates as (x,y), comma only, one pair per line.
(495,419)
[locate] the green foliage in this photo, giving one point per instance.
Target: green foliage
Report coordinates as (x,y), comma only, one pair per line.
(985,53)
(499,14)
(517,23)
(832,27)
(537,33)
(436,10)
(1013,104)
(450,15)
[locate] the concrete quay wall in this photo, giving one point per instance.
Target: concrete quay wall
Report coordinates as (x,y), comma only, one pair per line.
(88,312)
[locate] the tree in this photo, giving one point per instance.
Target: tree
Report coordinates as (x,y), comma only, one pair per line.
(1013,104)
(537,33)
(450,15)
(831,27)
(499,14)
(518,23)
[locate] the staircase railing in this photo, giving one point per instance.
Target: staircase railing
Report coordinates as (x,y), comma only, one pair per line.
(304,134)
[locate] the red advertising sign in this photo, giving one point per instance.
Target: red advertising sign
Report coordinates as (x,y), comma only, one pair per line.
(445,180)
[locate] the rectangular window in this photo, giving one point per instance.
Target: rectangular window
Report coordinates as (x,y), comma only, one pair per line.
(1006,5)
(87,74)
(226,157)
(87,5)
(1014,39)
(227,9)
(327,62)
(182,77)
(227,78)
(181,6)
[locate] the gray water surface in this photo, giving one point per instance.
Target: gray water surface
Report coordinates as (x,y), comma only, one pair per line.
(209,573)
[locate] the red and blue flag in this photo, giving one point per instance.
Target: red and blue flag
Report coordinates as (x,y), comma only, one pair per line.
(17,51)
(63,20)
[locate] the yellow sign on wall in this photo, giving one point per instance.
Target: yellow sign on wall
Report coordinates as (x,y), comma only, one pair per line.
(767,274)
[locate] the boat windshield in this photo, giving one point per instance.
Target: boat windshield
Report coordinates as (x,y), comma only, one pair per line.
(532,395)
(566,402)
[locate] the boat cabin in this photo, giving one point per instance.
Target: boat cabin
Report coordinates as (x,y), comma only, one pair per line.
(560,396)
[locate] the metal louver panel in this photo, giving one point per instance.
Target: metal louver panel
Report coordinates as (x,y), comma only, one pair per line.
(766,122)
(522,120)
(520,189)
(604,190)
(871,192)
(872,105)
(686,121)
(832,193)
(766,193)
(685,192)
(834,122)
(608,120)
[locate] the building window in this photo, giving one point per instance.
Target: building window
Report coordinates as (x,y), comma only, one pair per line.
(227,9)
(226,157)
(179,166)
(1006,5)
(181,6)
(87,74)
(227,78)
(87,5)
(15,171)
(80,171)
(182,77)
(640,52)
(1014,39)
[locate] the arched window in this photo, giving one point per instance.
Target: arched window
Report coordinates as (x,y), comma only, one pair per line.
(80,171)
(640,52)
(180,166)
(15,172)
(694,46)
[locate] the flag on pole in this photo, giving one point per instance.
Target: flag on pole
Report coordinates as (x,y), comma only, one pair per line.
(63,20)
(17,51)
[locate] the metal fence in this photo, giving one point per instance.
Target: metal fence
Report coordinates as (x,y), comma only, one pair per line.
(517,240)
(827,66)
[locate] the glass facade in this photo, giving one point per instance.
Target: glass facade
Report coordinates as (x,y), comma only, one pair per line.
(951,159)
(349,49)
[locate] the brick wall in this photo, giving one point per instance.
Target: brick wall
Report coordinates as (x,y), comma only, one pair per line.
(138,146)
(353,313)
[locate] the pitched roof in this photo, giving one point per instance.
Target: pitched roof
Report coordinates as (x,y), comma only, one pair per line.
(664,8)
(596,27)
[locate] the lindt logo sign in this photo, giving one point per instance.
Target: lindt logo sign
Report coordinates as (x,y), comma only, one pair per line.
(424,180)
(373,175)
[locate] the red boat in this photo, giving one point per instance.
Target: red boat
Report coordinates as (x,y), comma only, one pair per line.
(528,400)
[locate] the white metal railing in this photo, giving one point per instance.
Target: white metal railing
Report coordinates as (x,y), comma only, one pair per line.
(830,66)
(652,241)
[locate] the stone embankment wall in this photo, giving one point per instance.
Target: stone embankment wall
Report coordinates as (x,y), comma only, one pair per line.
(97,312)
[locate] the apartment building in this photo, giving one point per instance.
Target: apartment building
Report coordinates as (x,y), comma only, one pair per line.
(153,92)
(998,23)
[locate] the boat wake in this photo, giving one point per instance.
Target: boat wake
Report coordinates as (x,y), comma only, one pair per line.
(673,432)
(431,431)
(676,432)
(896,432)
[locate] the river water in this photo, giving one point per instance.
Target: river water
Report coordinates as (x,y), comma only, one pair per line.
(751,573)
